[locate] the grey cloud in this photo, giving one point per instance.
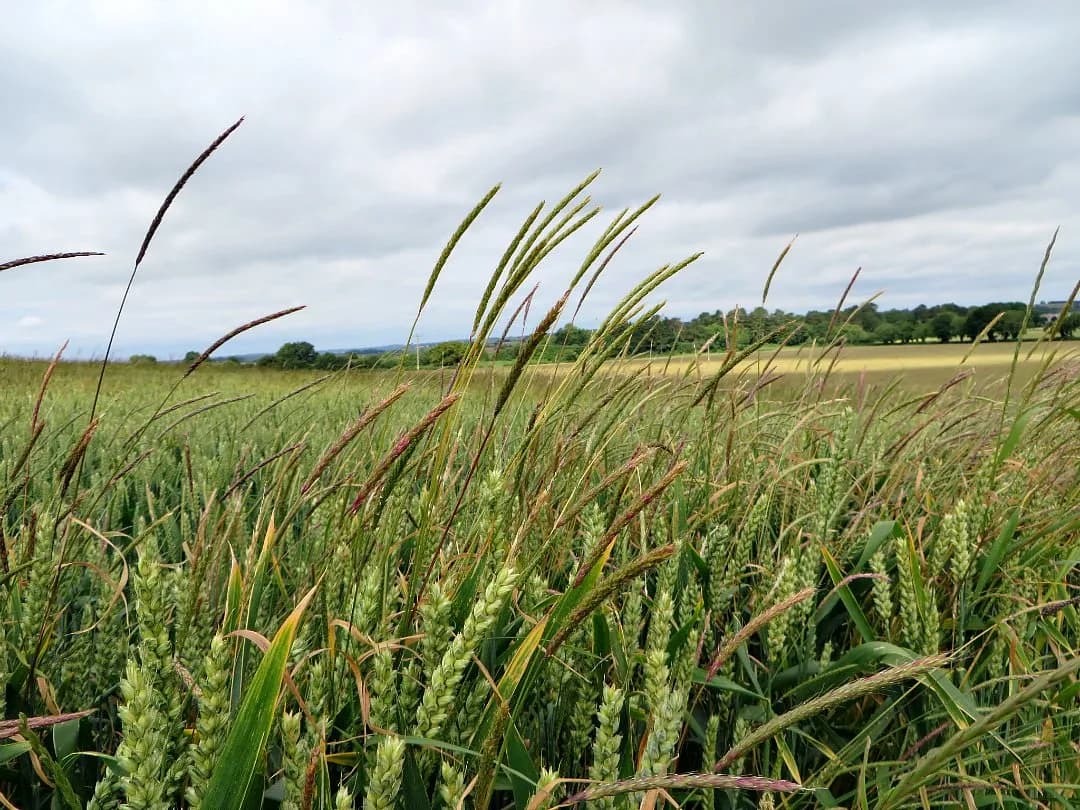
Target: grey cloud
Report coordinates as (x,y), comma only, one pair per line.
(932,144)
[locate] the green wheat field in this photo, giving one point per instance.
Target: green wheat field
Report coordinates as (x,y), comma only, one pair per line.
(508,586)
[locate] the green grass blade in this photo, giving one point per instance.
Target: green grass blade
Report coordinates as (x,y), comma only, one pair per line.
(242,753)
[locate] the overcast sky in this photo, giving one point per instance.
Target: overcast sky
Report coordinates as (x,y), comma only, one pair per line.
(933,144)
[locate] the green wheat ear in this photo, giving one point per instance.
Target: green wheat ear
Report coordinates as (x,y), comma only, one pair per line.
(212,724)
(141,755)
(607,745)
(440,693)
(451,786)
(382,792)
(343,799)
(294,756)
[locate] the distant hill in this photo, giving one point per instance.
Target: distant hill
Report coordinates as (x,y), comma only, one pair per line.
(396,347)
(369,350)
(390,347)
(254,357)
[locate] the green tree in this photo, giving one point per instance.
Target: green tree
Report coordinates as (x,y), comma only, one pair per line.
(977,319)
(1069,325)
(958,323)
(886,332)
(387,359)
(300,354)
(943,327)
(817,325)
(509,350)
(906,330)
(1010,324)
(571,335)
(868,317)
(757,323)
(444,354)
(142,359)
(856,334)
(330,361)
(665,335)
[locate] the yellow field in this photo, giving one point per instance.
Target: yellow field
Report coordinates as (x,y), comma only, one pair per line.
(918,364)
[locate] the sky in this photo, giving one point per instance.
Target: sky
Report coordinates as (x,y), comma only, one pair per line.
(931,144)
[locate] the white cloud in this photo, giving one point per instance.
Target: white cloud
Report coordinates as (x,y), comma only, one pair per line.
(932,144)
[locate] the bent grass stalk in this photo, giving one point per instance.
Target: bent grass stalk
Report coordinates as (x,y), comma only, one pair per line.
(842,694)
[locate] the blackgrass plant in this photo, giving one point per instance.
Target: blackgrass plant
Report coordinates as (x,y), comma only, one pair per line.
(532,584)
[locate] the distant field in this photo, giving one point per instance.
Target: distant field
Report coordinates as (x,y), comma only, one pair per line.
(917,364)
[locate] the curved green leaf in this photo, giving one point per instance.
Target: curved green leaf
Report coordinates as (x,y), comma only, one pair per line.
(242,753)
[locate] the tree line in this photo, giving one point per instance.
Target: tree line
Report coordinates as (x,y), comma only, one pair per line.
(301,354)
(859,325)
(866,324)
